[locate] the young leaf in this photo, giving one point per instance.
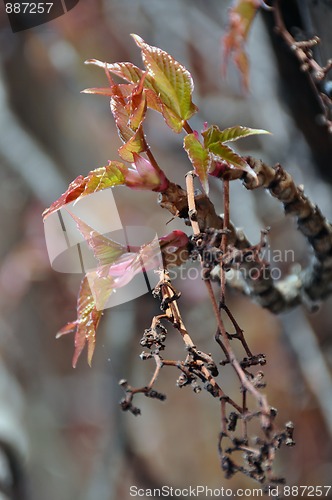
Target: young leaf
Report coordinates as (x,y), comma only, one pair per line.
(241,17)
(75,189)
(96,180)
(105,250)
(149,177)
(85,325)
(171,81)
(138,105)
(199,157)
(99,91)
(172,119)
(121,116)
(105,177)
(127,71)
(214,134)
(136,144)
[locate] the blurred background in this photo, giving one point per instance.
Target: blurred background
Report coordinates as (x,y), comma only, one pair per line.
(62,432)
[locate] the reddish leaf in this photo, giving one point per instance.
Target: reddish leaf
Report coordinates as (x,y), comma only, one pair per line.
(85,325)
(75,189)
(96,180)
(241,17)
(153,101)
(121,90)
(121,117)
(138,105)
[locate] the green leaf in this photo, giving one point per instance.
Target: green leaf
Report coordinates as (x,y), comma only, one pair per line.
(172,119)
(222,152)
(85,325)
(214,134)
(171,81)
(199,157)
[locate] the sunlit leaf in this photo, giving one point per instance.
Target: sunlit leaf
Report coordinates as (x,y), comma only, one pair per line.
(172,119)
(75,189)
(199,157)
(99,91)
(106,177)
(214,134)
(171,81)
(121,90)
(153,101)
(136,144)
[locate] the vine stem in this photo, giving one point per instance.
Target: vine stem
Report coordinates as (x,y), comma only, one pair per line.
(224,240)
(187,128)
(191,202)
(246,384)
(153,161)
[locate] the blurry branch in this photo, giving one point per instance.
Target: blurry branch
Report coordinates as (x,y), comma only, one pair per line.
(25,156)
(303,51)
(316,280)
(13,439)
(311,362)
(308,286)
